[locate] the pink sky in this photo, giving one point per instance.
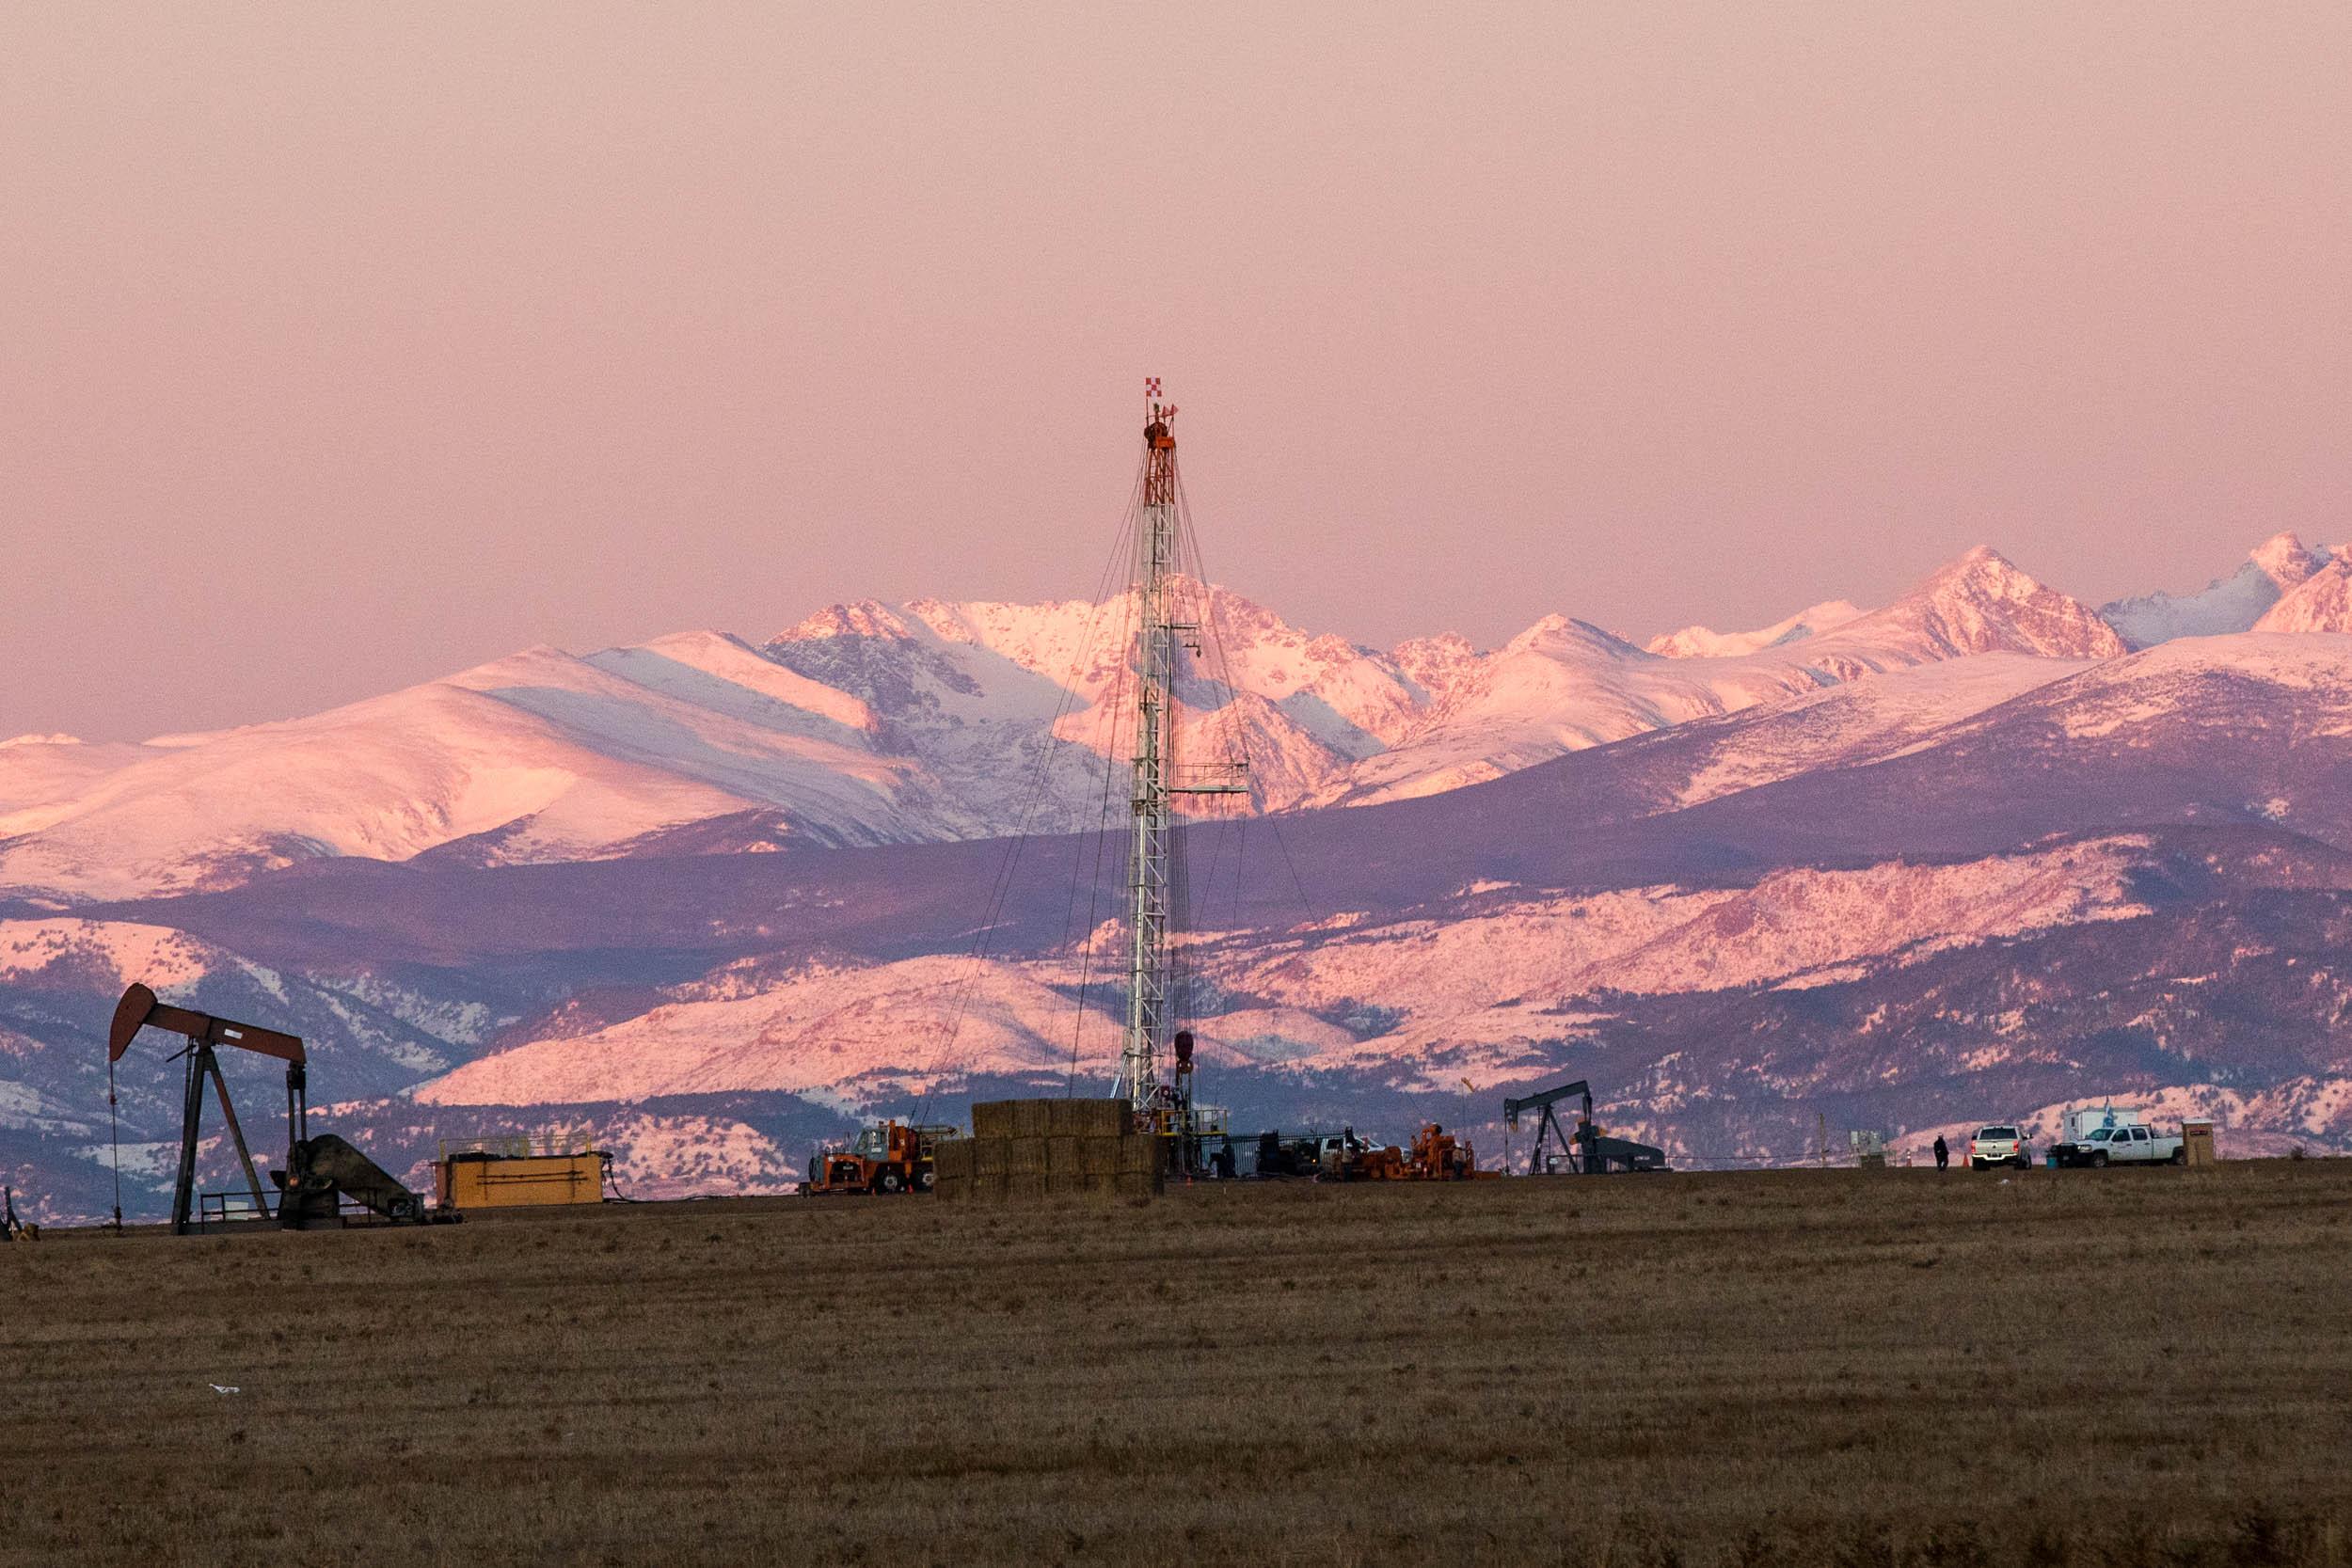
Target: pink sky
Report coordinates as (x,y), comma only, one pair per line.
(345,346)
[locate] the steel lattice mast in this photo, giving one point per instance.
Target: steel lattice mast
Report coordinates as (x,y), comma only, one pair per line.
(1158,635)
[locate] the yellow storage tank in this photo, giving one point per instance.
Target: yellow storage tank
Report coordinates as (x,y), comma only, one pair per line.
(481,1180)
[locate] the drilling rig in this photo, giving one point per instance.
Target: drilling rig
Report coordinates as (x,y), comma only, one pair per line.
(1163,1101)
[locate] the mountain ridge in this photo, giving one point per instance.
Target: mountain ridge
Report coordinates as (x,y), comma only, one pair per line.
(865,724)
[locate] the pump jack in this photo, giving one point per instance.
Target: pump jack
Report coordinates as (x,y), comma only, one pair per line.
(12,1229)
(315,1168)
(1589,1152)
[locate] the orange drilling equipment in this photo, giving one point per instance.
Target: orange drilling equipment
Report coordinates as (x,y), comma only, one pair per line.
(1437,1155)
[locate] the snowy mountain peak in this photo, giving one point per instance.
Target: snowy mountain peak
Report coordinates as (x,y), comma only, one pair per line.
(2286,561)
(1697,642)
(1983,602)
(1982,570)
(1435,665)
(2321,602)
(2277,567)
(534,662)
(695,647)
(858,618)
(1075,644)
(1559,635)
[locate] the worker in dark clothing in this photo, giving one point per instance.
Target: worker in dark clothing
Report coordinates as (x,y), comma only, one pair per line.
(1942,1153)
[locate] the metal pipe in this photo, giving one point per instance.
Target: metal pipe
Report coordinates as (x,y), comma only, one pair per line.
(191,1117)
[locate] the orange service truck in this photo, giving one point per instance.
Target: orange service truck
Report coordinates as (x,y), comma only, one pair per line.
(888,1157)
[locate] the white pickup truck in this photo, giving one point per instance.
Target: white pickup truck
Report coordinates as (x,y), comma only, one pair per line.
(2124,1146)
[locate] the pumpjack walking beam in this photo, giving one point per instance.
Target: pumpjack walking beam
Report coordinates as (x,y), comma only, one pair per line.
(139,1009)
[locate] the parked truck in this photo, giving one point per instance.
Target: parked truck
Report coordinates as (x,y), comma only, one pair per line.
(1304,1153)
(2130,1144)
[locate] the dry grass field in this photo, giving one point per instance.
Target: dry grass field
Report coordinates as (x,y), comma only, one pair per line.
(1839,1368)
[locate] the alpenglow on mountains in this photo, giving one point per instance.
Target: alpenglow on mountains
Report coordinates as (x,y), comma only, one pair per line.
(1978,853)
(869,724)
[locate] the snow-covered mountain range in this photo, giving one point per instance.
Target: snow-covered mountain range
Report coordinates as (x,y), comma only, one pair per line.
(869,724)
(1977,852)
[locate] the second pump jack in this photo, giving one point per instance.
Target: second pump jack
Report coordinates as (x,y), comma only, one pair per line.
(1589,1152)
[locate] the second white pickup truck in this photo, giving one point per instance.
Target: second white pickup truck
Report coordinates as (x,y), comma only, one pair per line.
(2124,1146)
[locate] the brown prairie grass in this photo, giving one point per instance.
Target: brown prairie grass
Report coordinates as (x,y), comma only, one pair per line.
(1804,1367)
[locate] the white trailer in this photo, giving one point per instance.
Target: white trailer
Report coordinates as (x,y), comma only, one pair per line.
(2076,1123)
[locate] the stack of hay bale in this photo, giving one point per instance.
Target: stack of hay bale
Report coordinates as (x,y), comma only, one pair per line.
(1024,1150)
